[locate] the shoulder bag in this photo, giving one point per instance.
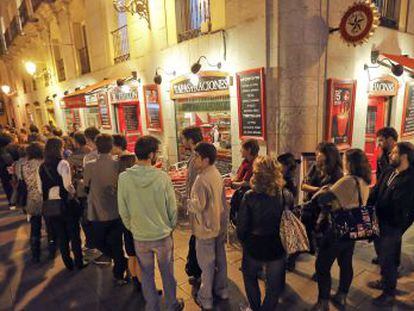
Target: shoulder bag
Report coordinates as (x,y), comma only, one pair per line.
(52,208)
(21,199)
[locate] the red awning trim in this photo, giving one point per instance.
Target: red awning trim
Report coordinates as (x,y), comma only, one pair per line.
(77,99)
(401,59)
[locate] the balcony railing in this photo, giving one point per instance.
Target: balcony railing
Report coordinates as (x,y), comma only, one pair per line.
(121,44)
(389,12)
(84,60)
(60,68)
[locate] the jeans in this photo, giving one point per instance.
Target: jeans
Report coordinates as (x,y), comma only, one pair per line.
(35,235)
(51,237)
(68,233)
(108,239)
(389,249)
(211,257)
(342,250)
(275,281)
(86,224)
(378,251)
(146,251)
(7,186)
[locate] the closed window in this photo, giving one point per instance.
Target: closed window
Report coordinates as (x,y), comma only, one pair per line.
(193,18)
(389,11)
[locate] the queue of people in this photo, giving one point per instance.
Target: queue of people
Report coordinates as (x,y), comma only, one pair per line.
(127,210)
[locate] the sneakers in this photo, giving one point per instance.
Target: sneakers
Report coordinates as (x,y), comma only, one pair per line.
(384,300)
(339,300)
(102,260)
(376,285)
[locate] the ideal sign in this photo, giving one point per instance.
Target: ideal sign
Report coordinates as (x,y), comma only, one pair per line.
(384,86)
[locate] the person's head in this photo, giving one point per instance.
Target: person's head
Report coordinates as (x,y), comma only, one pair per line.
(75,127)
(387,138)
(267,176)
(47,129)
(104,143)
(35,151)
(57,132)
(33,128)
(23,131)
(79,140)
(289,163)
(120,144)
(146,148)
(356,163)
(5,139)
(53,152)
(250,149)
(402,155)
(205,155)
(191,136)
(328,157)
(91,133)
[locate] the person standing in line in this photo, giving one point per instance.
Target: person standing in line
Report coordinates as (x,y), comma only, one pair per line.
(208,220)
(344,194)
(393,197)
(90,135)
(101,178)
(258,230)
(148,209)
(190,137)
(249,152)
(76,162)
(387,138)
(6,160)
(55,183)
(28,173)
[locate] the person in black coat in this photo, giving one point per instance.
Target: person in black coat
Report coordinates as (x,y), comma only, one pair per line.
(6,160)
(258,230)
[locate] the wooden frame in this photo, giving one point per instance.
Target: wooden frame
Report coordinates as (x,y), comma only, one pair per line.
(340,130)
(260,71)
(151,88)
(408,86)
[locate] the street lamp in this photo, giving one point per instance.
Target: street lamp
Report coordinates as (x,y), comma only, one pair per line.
(6,89)
(30,67)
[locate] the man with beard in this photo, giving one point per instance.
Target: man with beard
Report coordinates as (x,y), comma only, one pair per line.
(393,197)
(148,209)
(387,138)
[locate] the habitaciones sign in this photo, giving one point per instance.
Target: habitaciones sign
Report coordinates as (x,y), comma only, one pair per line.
(384,86)
(208,84)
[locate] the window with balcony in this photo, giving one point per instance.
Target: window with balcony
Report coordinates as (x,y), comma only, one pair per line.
(121,44)
(193,18)
(60,66)
(389,12)
(81,45)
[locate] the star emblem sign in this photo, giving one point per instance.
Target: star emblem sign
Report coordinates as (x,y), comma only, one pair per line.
(356,21)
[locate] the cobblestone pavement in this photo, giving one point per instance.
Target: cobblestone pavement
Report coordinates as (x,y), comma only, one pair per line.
(48,286)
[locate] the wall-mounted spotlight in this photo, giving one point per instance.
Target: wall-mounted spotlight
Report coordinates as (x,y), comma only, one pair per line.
(158,77)
(54,95)
(396,69)
(66,92)
(195,68)
(6,89)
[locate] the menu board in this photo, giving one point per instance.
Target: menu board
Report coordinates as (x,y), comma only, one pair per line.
(153,108)
(251,99)
(407,125)
(104,113)
(131,118)
(340,112)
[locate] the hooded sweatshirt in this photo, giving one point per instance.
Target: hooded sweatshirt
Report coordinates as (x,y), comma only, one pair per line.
(146,202)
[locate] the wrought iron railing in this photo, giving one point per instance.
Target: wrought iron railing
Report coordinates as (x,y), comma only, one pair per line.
(191,15)
(121,44)
(389,12)
(60,68)
(84,60)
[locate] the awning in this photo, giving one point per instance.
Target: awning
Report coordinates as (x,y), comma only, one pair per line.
(401,59)
(77,99)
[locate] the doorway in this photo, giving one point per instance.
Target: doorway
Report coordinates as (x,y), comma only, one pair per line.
(377,118)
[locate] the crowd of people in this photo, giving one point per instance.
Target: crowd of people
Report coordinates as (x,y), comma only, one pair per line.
(126,207)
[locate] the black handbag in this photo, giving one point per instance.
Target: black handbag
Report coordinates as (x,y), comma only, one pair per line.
(54,207)
(356,224)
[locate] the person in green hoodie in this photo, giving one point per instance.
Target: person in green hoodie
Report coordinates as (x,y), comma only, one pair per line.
(148,209)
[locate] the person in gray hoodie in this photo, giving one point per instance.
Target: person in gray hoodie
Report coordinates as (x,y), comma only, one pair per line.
(208,219)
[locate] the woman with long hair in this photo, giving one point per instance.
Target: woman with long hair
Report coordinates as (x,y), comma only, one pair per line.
(344,194)
(56,185)
(258,230)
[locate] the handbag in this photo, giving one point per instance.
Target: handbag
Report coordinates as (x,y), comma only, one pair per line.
(54,207)
(356,224)
(292,232)
(21,199)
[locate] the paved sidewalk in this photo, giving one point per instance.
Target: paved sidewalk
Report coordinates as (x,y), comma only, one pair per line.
(48,286)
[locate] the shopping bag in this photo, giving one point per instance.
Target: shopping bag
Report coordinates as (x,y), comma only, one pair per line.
(293,234)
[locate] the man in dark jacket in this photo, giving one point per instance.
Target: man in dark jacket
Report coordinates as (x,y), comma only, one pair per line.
(387,138)
(6,160)
(393,197)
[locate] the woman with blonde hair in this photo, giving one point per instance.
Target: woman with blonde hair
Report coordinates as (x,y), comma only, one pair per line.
(258,230)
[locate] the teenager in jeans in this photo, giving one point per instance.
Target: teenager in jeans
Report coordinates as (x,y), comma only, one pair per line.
(344,194)
(148,209)
(101,178)
(208,220)
(258,230)
(190,137)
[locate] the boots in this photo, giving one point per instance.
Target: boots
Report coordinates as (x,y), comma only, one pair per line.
(321,305)
(339,300)
(35,247)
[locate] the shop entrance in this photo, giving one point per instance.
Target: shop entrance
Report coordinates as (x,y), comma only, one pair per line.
(376,119)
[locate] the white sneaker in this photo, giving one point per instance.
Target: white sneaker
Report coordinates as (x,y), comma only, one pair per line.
(12,207)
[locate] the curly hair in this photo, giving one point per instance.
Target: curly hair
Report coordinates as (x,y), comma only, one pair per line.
(267,176)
